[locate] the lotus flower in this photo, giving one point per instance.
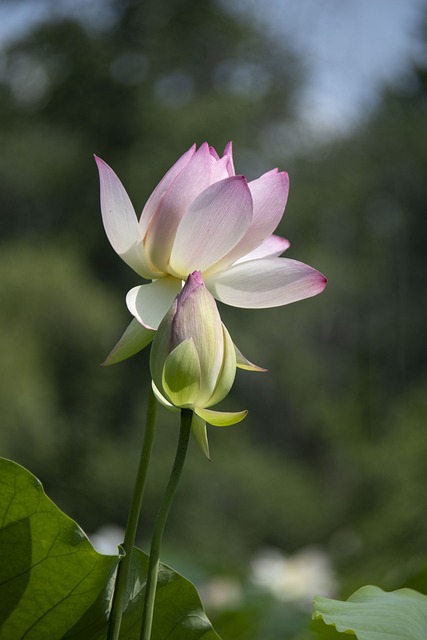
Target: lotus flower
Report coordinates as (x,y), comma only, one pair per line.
(193,359)
(202,217)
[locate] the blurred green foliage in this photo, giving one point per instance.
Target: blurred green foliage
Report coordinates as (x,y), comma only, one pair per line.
(334,448)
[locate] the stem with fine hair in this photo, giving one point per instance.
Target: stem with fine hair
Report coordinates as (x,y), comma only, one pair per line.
(116,614)
(159,526)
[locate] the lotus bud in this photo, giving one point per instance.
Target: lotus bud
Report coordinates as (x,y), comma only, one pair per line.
(193,359)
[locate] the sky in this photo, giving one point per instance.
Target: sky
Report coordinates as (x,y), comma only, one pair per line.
(350,47)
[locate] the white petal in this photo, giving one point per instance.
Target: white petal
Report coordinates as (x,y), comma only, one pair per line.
(149,303)
(268,282)
(120,222)
(214,223)
(273,246)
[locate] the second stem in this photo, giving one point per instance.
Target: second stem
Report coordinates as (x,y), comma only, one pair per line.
(153,566)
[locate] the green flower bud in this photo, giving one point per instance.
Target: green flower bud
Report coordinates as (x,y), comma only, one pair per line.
(193,360)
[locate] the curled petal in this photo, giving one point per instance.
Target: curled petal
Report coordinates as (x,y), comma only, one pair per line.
(148,303)
(198,427)
(164,184)
(273,246)
(221,418)
(188,184)
(269,196)
(268,282)
(214,223)
(134,339)
(120,221)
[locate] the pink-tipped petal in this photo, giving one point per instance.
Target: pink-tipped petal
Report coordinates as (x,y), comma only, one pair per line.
(214,223)
(120,221)
(164,184)
(269,196)
(188,184)
(273,246)
(268,282)
(149,303)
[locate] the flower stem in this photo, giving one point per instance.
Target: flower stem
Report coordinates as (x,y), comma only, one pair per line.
(132,522)
(153,566)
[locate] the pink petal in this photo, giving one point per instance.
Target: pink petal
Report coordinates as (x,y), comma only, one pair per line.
(268,282)
(269,195)
(120,222)
(214,155)
(228,152)
(149,303)
(220,169)
(272,246)
(214,223)
(164,184)
(188,184)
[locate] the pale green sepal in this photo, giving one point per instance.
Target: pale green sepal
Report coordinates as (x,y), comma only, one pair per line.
(161,346)
(221,418)
(244,363)
(198,427)
(181,374)
(162,400)
(134,339)
(227,374)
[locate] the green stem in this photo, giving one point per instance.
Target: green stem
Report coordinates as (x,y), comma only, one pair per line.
(153,566)
(132,522)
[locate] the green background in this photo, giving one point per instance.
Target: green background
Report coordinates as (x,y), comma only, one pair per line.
(333,450)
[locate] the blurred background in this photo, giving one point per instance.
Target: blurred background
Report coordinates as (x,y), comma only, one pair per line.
(322,488)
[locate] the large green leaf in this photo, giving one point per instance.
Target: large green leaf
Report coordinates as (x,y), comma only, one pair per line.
(54,585)
(373,614)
